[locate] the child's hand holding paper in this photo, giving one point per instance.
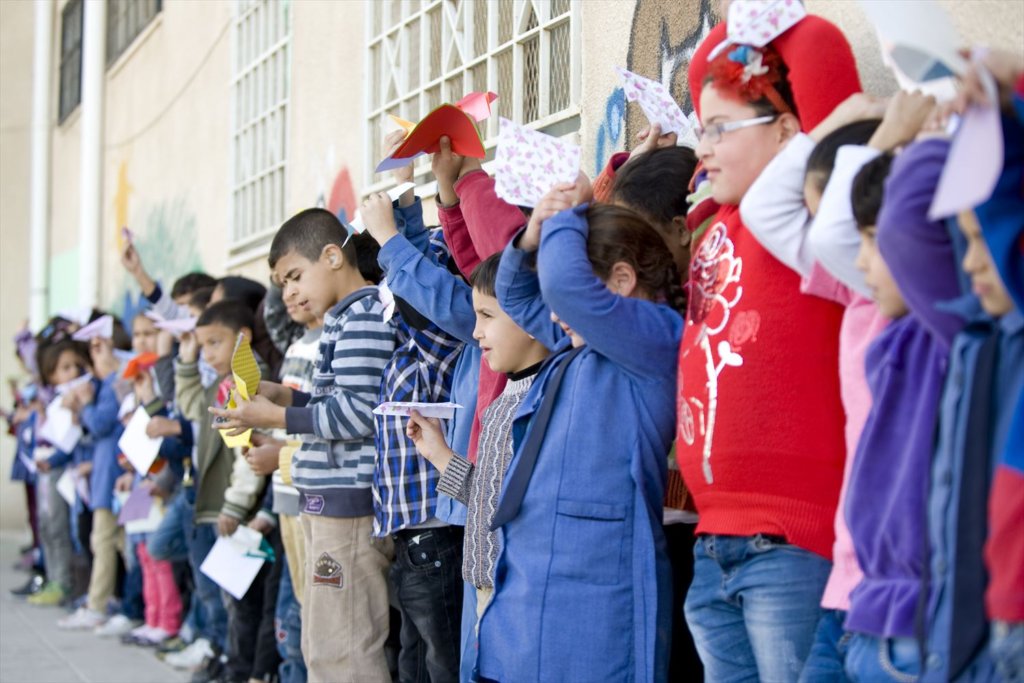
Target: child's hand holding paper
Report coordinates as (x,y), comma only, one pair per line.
(378,217)
(657,103)
(429,439)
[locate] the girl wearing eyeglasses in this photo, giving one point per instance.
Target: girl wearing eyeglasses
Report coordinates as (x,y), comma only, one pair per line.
(760,424)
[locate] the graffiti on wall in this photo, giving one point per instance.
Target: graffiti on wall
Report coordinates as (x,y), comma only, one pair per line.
(662,40)
(337,195)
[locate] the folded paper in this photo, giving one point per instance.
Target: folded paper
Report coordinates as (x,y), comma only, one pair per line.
(101,328)
(759,22)
(59,428)
(176,326)
(356,225)
(529,163)
(136,505)
(443,411)
(453,120)
(143,362)
(140,449)
(230,565)
(656,102)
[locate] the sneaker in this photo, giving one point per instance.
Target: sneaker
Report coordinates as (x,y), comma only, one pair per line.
(170,646)
(214,670)
(155,637)
(82,619)
(50,595)
(192,657)
(116,626)
(34,584)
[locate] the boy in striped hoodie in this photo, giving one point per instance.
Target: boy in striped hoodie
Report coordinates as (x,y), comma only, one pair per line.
(346,593)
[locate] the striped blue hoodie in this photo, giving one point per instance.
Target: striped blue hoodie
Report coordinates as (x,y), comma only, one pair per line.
(333,470)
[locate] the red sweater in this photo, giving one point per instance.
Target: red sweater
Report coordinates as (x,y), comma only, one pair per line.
(759,391)
(480,225)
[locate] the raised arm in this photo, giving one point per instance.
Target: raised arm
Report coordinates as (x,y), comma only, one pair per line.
(640,336)
(917,250)
(774,211)
(490,220)
(518,292)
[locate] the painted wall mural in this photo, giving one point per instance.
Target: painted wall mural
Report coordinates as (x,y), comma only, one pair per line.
(662,41)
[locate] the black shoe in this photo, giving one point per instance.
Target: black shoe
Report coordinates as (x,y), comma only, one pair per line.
(31,587)
(212,671)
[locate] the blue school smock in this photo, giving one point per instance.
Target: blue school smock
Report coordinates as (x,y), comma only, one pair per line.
(582,590)
(99,419)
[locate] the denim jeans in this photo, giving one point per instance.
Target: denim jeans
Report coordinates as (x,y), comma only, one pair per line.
(215,615)
(288,618)
(170,539)
(883,660)
(1007,648)
(427,576)
(827,661)
(753,607)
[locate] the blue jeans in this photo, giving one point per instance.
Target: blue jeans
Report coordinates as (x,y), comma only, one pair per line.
(1007,648)
(215,615)
(289,631)
(753,607)
(131,593)
(827,661)
(883,660)
(170,539)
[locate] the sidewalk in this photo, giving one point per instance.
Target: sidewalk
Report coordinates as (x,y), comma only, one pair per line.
(34,650)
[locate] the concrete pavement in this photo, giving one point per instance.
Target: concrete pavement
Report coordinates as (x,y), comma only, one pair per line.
(34,650)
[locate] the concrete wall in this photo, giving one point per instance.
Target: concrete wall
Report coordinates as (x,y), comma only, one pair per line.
(15,119)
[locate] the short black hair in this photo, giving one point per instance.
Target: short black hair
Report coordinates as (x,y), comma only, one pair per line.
(367,250)
(48,355)
(232,314)
(655,183)
(243,290)
(823,157)
(485,275)
(201,297)
(868,189)
(307,233)
(191,283)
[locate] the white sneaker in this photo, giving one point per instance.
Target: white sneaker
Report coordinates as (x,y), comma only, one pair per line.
(83,619)
(142,631)
(156,636)
(192,657)
(116,625)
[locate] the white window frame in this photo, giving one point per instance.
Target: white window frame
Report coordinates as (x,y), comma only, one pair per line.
(260,89)
(394,40)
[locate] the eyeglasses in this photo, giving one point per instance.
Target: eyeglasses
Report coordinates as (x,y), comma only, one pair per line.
(713,133)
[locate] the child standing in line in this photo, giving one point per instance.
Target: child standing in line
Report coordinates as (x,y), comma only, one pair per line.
(583,559)
(510,350)
(761,453)
(346,568)
(59,362)
(98,408)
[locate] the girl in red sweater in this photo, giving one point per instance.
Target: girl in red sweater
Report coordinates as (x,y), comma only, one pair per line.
(760,424)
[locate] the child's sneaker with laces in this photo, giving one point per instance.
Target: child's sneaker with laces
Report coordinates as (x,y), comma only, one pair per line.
(50,595)
(82,619)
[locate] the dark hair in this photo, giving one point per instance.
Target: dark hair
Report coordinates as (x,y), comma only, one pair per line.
(823,156)
(192,283)
(48,356)
(307,233)
(619,234)
(367,250)
(868,188)
(485,275)
(654,184)
(242,290)
(120,338)
(201,297)
(233,315)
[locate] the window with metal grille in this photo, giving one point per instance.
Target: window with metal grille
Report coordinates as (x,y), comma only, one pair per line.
(423,53)
(71,19)
(125,21)
(260,64)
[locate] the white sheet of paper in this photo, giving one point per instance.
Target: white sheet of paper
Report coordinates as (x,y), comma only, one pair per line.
(529,163)
(66,486)
(59,428)
(975,158)
(102,328)
(923,42)
(443,411)
(394,193)
(230,568)
(140,450)
(387,298)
